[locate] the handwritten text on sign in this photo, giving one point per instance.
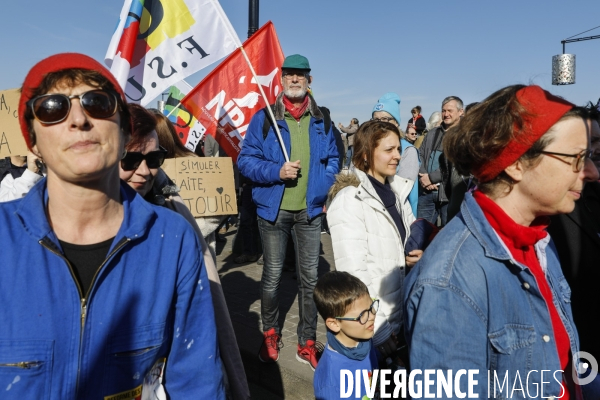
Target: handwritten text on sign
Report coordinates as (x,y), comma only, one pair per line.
(206,184)
(11,139)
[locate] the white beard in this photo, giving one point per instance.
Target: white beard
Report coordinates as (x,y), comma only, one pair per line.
(295,93)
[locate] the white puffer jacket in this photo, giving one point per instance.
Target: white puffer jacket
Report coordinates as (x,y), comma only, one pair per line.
(366,242)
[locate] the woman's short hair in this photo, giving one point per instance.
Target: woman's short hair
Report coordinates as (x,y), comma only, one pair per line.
(71,78)
(488,128)
(367,139)
(143,123)
(167,137)
(434,120)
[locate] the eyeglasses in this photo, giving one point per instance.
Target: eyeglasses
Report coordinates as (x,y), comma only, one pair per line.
(54,108)
(299,75)
(363,317)
(577,163)
(384,119)
(133,159)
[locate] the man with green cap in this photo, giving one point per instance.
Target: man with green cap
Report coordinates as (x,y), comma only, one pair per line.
(290,196)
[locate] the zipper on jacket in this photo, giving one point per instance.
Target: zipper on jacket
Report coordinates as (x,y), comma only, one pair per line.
(83,305)
(23,364)
(388,216)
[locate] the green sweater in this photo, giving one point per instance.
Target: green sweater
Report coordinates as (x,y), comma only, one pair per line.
(294,195)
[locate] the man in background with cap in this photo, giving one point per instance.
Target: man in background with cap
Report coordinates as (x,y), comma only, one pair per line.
(289,197)
(433,199)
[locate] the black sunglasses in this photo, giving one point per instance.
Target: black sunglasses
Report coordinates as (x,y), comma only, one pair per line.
(54,108)
(133,159)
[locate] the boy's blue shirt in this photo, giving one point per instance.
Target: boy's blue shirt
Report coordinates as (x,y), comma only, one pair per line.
(326,381)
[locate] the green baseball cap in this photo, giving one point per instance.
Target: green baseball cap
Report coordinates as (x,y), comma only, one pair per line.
(296,61)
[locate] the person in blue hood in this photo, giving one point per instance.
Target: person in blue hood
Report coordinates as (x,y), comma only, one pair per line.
(387,109)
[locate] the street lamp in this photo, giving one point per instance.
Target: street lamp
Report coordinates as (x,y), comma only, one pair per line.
(252,17)
(563,65)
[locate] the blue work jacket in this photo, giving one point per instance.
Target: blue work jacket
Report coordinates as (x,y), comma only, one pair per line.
(149,301)
(470,305)
(261,160)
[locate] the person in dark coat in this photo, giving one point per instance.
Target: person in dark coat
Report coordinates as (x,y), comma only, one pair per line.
(577,239)
(417,120)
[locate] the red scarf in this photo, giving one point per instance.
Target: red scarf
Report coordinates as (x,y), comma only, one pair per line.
(296,112)
(520,241)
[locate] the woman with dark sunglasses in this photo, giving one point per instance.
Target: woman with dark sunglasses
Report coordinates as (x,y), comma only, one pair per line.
(489,295)
(140,168)
(101,292)
(143,156)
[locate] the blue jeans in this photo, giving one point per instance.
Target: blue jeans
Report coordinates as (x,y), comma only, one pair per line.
(307,241)
(349,154)
(429,208)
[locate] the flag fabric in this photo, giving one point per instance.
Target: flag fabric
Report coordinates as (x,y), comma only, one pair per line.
(225,101)
(159,42)
(189,131)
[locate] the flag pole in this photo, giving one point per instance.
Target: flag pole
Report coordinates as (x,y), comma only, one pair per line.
(179,104)
(269,110)
(234,36)
(174,108)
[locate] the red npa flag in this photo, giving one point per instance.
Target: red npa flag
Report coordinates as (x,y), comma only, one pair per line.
(225,101)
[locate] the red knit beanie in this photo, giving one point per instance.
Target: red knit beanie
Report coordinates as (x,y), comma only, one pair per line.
(542,111)
(55,63)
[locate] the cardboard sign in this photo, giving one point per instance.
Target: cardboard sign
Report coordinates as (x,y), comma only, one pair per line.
(206,184)
(11,139)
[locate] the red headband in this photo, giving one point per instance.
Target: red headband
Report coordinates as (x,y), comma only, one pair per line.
(544,110)
(55,63)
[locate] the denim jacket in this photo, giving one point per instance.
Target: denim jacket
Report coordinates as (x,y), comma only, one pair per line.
(470,305)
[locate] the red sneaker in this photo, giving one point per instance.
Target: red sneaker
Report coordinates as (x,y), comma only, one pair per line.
(269,350)
(310,353)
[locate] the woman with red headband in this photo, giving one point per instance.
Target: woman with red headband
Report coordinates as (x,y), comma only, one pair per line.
(103,295)
(489,296)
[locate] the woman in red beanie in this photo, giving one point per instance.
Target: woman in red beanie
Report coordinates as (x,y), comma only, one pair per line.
(489,294)
(103,295)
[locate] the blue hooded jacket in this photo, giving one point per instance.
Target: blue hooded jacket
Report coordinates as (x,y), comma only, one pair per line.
(149,301)
(261,160)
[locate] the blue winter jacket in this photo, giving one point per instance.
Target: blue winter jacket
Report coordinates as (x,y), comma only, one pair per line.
(149,301)
(470,305)
(261,160)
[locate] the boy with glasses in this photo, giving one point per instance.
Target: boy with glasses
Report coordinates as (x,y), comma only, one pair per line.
(349,313)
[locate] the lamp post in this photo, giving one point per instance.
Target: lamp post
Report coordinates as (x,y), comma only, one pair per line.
(161,103)
(252,17)
(563,65)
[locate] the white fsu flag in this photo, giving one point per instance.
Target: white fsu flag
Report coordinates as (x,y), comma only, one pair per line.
(157,43)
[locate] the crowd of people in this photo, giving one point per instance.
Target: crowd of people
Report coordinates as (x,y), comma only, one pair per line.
(468,242)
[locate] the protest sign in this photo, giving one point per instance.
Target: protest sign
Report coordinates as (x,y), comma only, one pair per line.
(11,139)
(206,184)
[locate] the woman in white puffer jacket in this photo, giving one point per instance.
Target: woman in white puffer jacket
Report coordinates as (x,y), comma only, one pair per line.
(369,219)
